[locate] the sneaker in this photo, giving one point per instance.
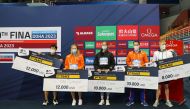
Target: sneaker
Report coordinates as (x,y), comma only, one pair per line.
(45,103)
(55,102)
(130,103)
(156,103)
(107,102)
(101,102)
(80,102)
(144,103)
(74,102)
(169,104)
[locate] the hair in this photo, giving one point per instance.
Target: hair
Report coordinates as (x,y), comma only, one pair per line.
(105,42)
(78,52)
(54,46)
(137,42)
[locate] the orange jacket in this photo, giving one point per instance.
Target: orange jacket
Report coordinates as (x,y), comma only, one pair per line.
(136,56)
(71,59)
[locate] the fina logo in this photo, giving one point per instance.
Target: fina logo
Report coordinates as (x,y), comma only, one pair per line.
(149,33)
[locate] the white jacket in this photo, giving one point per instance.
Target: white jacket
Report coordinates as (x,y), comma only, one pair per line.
(160,55)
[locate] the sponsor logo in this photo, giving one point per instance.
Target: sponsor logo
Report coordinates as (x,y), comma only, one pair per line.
(89,45)
(105,32)
(122,52)
(89,67)
(149,32)
(119,68)
(111,44)
(127,32)
(98,44)
(144,44)
(89,60)
(84,33)
(154,44)
(90,53)
(80,44)
(121,60)
(122,45)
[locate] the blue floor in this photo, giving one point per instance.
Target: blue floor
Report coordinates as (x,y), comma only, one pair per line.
(115,104)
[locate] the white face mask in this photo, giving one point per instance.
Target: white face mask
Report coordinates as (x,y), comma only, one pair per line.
(162,47)
(52,51)
(104,47)
(74,51)
(136,48)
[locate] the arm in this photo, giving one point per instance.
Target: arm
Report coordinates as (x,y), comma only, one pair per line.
(145,58)
(154,57)
(128,60)
(96,63)
(66,63)
(112,62)
(81,63)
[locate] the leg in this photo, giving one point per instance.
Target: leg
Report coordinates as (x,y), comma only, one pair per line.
(131,95)
(80,95)
(55,95)
(108,96)
(102,99)
(45,102)
(46,95)
(168,103)
(80,98)
(142,95)
(73,95)
(158,92)
(107,99)
(55,102)
(102,95)
(167,91)
(131,98)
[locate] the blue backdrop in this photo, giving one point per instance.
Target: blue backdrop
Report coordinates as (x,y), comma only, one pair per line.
(18,85)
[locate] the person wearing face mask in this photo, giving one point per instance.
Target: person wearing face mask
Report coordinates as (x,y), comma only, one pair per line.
(136,58)
(103,63)
(160,55)
(53,54)
(75,61)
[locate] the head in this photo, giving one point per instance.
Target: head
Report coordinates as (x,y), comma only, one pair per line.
(53,49)
(162,45)
(136,45)
(104,46)
(74,49)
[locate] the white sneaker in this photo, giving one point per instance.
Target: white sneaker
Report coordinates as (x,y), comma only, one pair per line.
(80,102)
(101,102)
(45,103)
(169,104)
(107,102)
(74,102)
(156,103)
(55,102)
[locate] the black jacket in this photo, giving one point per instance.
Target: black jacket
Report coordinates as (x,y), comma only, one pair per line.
(111,61)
